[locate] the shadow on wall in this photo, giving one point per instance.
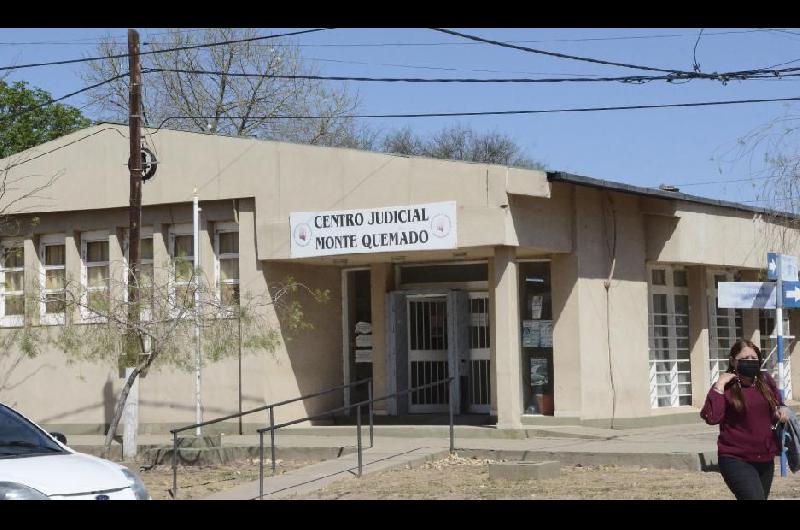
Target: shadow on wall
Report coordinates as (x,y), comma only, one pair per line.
(315,355)
(9,367)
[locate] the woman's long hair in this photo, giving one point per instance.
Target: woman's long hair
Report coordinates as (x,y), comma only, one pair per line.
(737,399)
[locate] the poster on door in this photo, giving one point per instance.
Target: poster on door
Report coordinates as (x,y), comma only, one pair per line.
(539,375)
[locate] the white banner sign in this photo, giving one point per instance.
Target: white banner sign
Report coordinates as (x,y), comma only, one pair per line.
(746,295)
(393,229)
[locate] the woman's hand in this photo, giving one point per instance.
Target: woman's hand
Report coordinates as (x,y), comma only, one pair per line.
(723,380)
(781,415)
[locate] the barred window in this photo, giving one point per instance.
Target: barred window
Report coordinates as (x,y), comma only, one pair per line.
(227,254)
(670,365)
(12,297)
(52,253)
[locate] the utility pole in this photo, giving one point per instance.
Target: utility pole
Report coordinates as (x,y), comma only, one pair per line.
(135,166)
(133,344)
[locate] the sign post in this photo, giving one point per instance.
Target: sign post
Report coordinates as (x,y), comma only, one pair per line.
(779,333)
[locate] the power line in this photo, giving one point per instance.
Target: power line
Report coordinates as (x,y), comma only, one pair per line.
(556,54)
(624,79)
(428,67)
(750,179)
(724,77)
(167,50)
(492,113)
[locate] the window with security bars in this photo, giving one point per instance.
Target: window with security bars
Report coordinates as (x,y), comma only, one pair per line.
(725,325)
(12,298)
(182,255)
(52,253)
(227,251)
(95,275)
(769,346)
(668,318)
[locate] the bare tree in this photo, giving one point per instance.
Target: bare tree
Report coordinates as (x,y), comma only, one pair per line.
(460,142)
(96,323)
(237,106)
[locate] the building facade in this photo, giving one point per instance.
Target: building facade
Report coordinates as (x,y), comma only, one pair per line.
(550,298)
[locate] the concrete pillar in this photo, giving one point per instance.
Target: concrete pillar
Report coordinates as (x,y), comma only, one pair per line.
(380,283)
(207,254)
(30,257)
(699,345)
(492,348)
(161,259)
(117,269)
(72,270)
(251,284)
(504,285)
(566,338)
(251,279)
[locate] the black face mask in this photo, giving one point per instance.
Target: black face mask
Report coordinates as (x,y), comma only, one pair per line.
(748,367)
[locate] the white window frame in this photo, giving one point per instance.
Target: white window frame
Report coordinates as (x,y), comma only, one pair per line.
(183,229)
(87,315)
(11,320)
(224,228)
(718,355)
(45,241)
(674,384)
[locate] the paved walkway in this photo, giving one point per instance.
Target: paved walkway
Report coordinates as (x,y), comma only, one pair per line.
(317,476)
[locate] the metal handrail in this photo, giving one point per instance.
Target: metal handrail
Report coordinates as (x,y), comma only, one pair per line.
(271,408)
(370,401)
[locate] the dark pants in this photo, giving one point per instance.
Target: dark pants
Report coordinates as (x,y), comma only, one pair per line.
(747,480)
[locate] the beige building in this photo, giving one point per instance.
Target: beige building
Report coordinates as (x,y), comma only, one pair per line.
(551,298)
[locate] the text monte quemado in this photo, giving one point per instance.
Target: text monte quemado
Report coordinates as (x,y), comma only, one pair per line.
(390,229)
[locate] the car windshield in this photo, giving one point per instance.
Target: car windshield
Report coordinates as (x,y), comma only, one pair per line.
(19,437)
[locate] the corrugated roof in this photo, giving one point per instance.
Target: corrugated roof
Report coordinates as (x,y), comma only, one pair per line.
(560,176)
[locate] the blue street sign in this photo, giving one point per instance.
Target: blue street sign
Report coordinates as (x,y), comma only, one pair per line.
(791,294)
(788,267)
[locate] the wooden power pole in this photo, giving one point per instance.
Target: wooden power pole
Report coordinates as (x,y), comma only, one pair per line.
(135,166)
(133,343)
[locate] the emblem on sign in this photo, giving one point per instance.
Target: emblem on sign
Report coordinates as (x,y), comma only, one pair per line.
(440,225)
(302,234)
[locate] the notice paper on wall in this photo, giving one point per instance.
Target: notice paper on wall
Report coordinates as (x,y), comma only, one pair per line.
(546,333)
(531,333)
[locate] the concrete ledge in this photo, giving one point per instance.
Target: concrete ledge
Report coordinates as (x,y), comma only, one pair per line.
(684,461)
(524,470)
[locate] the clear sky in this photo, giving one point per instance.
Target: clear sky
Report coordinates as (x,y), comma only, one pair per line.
(643,147)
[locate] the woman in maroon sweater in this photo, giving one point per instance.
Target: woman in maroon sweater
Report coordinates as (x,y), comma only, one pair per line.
(746,404)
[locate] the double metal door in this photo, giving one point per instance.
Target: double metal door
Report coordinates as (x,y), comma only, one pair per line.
(427,352)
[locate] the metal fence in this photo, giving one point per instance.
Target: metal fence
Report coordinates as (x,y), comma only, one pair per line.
(271,408)
(369,402)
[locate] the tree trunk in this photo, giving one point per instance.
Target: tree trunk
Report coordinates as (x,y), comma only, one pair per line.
(118,410)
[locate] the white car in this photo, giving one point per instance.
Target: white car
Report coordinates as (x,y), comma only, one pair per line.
(36,465)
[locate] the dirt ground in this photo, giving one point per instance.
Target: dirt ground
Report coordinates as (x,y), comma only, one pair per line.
(196,482)
(461,478)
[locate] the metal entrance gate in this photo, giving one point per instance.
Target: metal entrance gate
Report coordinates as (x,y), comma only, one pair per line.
(479,354)
(427,352)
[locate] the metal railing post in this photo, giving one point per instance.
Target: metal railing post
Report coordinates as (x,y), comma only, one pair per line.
(272,438)
(261,465)
(371,428)
(174,465)
(358,436)
(450,408)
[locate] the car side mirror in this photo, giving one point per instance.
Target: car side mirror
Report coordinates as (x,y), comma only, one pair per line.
(60,437)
